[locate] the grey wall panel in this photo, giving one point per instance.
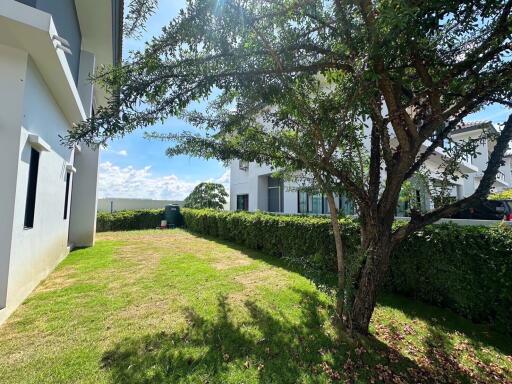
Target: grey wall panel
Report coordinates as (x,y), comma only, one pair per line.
(66,21)
(32,3)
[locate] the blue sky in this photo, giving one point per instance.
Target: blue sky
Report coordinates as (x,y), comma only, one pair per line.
(137,167)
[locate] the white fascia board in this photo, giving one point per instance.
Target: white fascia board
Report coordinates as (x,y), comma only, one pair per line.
(475,133)
(440,177)
(38,143)
(464,166)
(32,30)
(468,167)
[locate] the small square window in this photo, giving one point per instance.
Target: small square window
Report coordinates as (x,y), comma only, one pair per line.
(243,165)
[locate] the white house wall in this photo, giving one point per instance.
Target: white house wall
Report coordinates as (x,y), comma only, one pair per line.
(290,198)
(85,87)
(254,182)
(36,251)
(471,183)
(13,64)
(41,97)
(246,182)
(473,180)
(507,170)
(82,229)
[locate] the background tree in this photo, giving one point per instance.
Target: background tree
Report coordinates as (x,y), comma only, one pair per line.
(357,94)
(207,195)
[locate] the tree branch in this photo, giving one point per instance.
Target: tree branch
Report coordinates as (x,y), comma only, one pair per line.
(480,193)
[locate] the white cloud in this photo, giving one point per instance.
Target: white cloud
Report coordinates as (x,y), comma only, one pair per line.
(122,152)
(115,181)
(224,179)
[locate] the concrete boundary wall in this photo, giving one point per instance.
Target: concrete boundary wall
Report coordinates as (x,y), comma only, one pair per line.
(123,204)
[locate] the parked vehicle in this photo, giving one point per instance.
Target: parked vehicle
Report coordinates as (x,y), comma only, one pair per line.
(487,210)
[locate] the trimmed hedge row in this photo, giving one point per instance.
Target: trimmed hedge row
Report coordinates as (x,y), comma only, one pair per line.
(465,268)
(129,220)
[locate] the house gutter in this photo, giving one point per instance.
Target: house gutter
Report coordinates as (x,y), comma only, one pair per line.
(117,32)
(117,42)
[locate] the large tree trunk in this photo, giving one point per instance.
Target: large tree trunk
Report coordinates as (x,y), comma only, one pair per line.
(340,258)
(376,248)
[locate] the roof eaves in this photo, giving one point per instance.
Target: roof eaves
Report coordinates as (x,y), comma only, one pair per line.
(474,126)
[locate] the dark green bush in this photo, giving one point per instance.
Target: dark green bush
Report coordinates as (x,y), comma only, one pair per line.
(465,268)
(129,220)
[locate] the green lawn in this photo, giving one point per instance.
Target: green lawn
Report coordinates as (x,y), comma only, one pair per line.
(170,307)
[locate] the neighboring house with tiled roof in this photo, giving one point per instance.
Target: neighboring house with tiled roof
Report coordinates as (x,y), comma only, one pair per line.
(48,50)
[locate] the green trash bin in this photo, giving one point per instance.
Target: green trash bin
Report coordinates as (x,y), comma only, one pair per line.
(173,216)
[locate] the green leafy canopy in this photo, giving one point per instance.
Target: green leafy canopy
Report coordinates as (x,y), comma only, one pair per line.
(356,95)
(207,195)
(345,91)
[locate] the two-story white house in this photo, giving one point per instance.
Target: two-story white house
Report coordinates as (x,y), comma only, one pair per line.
(253,187)
(48,50)
(481,129)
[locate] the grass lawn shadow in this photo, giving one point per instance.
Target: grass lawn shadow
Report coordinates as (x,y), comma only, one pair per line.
(265,348)
(172,307)
(444,338)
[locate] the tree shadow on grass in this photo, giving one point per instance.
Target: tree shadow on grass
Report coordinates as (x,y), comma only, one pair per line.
(441,362)
(264,348)
(481,335)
